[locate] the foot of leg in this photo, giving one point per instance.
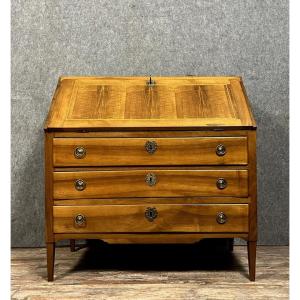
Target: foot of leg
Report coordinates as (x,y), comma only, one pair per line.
(50,260)
(252,259)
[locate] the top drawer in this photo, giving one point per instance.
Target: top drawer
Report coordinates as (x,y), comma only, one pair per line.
(149,151)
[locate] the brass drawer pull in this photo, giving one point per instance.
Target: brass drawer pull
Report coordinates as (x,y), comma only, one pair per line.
(221,183)
(221,218)
(151,179)
(220,150)
(79,184)
(151,146)
(80,220)
(79,152)
(151,214)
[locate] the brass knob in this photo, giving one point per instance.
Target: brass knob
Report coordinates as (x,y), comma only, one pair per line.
(79,184)
(79,152)
(220,150)
(221,183)
(221,218)
(151,179)
(80,220)
(151,146)
(151,214)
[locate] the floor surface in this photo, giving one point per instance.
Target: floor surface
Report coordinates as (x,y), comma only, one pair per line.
(128,272)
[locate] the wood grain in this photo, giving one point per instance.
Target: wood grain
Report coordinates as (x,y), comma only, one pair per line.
(130,102)
(150,272)
(136,133)
(149,238)
(132,183)
(170,151)
(161,200)
(113,118)
(252,186)
(48,167)
(171,218)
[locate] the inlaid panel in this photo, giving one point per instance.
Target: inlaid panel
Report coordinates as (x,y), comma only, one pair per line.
(130,102)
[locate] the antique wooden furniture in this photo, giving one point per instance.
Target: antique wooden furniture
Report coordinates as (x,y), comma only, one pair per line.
(139,160)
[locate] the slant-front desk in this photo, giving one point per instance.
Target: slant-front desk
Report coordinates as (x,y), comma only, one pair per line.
(150,160)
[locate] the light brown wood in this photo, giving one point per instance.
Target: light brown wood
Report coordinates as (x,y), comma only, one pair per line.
(50,260)
(252,259)
(129,102)
(156,272)
(170,183)
(161,200)
(48,165)
(215,132)
(171,218)
(149,238)
(252,186)
(130,151)
(113,118)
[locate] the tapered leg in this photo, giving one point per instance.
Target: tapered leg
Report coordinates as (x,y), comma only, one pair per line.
(50,260)
(252,259)
(72,245)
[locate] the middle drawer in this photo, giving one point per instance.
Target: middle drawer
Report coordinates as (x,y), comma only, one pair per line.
(150,183)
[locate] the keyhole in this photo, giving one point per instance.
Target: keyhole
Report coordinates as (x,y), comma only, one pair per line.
(150,179)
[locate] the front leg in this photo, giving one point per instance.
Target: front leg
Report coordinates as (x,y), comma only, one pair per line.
(252,259)
(50,260)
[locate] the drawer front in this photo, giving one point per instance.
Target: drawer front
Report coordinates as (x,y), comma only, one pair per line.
(152,151)
(156,218)
(150,183)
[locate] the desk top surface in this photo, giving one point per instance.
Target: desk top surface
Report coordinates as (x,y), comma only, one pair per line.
(109,103)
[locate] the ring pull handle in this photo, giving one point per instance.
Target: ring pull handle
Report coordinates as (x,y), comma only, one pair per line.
(220,150)
(221,218)
(221,183)
(151,147)
(151,214)
(151,179)
(80,220)
(79,152)
(80,184)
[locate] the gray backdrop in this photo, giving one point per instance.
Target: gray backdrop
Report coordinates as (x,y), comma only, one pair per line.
(158,37)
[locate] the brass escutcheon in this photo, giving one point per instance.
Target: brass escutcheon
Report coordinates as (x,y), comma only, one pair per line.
(151,213)
(151,146)
(151,179)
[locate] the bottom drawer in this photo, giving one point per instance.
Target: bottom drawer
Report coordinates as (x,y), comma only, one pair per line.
(151,218)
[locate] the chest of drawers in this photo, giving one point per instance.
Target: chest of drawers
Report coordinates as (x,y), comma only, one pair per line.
(139,160)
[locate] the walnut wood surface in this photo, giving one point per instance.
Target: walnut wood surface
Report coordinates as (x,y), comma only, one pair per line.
(128,102)
(48,164)
(113,117)
(155,133)
(132,151)
(161,200)
(252,259)
(171,218)
(149,237)
(170,183)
